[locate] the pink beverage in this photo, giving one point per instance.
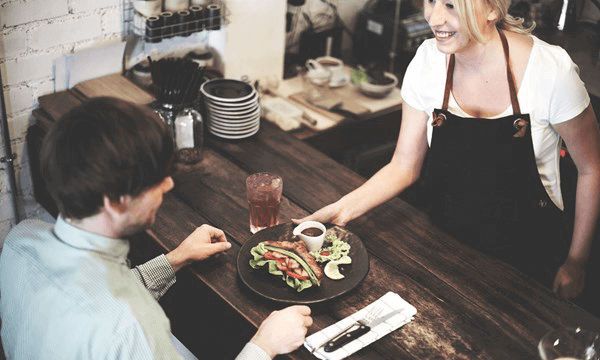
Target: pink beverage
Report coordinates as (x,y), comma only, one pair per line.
(264,197)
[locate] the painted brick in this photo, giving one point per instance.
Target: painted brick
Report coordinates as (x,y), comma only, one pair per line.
(3,179)
(12,43)
(78,6)
(65,32)
(18,125)
(41,88)
(112,21)
(28,68)
(19,147)
(18,99)
(19,12)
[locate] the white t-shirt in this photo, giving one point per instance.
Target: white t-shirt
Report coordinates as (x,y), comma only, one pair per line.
(551,92)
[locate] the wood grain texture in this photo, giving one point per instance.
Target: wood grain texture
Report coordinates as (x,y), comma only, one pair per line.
(219,188)
(470,305)
(398,231)
(58,104)
(115,85)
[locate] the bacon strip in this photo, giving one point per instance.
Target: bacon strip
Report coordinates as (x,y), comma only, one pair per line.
(300,249)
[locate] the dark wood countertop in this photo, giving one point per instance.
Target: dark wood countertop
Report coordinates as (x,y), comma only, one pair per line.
(469,305)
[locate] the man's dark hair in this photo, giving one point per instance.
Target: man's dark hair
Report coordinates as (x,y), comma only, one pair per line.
(105,146)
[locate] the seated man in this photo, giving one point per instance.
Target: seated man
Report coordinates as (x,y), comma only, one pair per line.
(65,289)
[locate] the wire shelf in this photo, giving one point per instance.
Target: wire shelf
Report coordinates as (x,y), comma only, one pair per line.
(180,24)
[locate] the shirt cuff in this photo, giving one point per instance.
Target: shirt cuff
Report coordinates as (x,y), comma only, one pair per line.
(157,275)
(252,352)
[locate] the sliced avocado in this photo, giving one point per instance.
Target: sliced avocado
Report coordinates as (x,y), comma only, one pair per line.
(311,274)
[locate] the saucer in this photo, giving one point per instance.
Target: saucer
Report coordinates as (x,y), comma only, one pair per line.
(334,83)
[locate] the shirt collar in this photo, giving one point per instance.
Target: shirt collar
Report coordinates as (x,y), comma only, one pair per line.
(81,239)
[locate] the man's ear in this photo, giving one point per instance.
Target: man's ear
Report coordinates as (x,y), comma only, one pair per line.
(115,208)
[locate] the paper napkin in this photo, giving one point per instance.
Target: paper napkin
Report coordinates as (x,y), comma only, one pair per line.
(391,302)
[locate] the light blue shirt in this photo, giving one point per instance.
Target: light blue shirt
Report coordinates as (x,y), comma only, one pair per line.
(66,293)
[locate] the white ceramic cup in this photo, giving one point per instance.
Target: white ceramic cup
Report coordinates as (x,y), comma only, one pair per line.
(334,65)
(313,243)
(148,7)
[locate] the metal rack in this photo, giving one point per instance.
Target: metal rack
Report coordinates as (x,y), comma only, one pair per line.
(165,34)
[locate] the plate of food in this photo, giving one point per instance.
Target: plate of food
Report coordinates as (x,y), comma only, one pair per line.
(278,266)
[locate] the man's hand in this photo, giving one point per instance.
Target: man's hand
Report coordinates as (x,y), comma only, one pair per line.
(569,280)
(204,242)
(283,331)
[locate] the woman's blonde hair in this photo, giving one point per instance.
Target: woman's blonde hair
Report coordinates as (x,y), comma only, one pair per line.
(468,17)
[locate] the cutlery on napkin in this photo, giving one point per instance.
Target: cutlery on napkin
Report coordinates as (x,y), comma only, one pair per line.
(392,313)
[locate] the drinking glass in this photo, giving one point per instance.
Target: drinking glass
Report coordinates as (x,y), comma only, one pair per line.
(570,344)
(316,84)
(264,197)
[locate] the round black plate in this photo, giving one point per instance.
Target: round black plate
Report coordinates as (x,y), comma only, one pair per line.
(228,89)
(274,288)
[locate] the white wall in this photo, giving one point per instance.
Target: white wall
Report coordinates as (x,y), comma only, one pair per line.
(33,33)
(254,40)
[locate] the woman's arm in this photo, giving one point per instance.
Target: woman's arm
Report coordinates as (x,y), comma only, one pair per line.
(582,138)
(402,171)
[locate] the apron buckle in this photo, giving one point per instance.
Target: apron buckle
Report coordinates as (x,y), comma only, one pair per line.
(438,120)
(521,126)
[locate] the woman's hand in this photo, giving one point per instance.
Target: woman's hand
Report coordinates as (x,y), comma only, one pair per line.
(332,213)
(569,280)
(201,244)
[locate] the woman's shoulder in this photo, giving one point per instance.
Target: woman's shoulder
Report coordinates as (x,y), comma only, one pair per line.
(429,51)
(428,59)
(551,55)
(423,82)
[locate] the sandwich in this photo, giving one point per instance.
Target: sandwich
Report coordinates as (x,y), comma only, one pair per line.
(290,260)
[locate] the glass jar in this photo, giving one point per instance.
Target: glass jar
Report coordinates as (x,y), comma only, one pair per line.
(188,129)
(167,113)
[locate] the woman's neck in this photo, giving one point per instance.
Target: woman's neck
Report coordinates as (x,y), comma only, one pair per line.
(477,55)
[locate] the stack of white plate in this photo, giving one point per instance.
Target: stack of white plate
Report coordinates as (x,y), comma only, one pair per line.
(232,108)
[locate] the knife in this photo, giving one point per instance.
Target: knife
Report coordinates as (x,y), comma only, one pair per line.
(355,332)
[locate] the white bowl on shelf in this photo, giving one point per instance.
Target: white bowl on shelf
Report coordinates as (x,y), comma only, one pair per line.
(378,91)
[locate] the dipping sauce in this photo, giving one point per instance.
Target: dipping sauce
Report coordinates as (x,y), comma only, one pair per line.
(311,231)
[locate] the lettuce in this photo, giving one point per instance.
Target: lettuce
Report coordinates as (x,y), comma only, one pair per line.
(258,261)
(337,249)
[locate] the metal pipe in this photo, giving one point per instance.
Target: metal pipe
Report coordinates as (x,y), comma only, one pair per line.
(8,157)
(394,45)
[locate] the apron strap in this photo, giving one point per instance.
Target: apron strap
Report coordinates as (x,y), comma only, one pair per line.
(509,75)
(449,79)
(511,81)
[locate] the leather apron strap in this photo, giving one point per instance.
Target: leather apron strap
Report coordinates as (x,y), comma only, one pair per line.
(511,82)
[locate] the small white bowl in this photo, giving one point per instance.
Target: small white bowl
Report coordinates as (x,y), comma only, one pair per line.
(379,91)
(313,243)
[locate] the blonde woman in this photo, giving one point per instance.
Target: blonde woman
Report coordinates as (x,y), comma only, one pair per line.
(488,103)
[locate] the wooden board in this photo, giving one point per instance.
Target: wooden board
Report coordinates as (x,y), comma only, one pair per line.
(115,85)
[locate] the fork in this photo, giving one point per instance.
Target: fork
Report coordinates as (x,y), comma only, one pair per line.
(354,331)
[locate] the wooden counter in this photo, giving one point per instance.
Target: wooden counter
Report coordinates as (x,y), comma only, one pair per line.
(469,306)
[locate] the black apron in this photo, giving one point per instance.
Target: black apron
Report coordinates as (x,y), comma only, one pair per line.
(484,188)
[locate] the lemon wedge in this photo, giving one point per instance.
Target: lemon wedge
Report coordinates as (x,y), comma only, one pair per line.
(332,271)
(344,260)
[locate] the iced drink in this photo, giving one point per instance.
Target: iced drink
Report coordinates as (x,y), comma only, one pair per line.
(264,197)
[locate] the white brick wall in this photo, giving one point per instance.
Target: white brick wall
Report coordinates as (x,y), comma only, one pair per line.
(33,34)
(22,12)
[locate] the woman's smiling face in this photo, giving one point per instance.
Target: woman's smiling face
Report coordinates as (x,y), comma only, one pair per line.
(450,34)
